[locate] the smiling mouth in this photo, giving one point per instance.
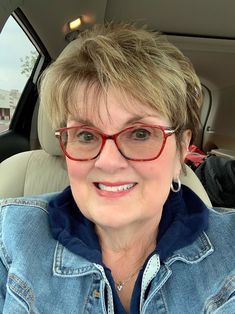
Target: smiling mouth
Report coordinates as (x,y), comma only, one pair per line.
(115,188)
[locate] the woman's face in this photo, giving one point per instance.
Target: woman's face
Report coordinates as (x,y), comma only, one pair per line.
(150,180)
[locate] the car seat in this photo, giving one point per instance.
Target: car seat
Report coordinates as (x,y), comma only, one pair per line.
(44,170)
(37,171)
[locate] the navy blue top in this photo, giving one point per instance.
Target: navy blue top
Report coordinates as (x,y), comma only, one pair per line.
(184,217)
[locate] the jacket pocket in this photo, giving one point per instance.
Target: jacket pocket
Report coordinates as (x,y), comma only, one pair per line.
(22,293)
(225,298)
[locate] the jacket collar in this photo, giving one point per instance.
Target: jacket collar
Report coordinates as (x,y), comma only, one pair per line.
(181,231)
(194,252)
(69,264)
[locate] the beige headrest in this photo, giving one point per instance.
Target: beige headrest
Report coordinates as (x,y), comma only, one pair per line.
(46,135)
(45,132)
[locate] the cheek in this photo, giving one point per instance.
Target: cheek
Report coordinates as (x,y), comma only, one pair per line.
(77,171)
(156,179)
(157,175)
(164,168)
(79,181)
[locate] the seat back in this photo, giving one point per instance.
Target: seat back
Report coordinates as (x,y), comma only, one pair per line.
(42,171)
(37,171)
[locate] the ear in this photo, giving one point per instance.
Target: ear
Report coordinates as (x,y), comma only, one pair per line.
(185,142)
(182,152)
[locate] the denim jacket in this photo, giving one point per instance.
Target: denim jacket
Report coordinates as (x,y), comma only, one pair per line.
(40,275)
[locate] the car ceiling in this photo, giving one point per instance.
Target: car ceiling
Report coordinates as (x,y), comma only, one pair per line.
(204,29)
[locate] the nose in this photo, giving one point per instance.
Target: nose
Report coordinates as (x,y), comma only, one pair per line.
(110,159)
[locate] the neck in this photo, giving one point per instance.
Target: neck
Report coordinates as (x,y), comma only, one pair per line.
(124,252)
(130,246)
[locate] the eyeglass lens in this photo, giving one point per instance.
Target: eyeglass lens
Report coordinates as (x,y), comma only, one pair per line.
(137,143)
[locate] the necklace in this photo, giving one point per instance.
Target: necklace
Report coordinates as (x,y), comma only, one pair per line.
(120,284)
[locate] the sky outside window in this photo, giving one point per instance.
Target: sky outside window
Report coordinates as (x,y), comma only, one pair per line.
(14,45)
(15,48)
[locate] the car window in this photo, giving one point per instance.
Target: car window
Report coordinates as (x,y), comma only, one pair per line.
(17,59)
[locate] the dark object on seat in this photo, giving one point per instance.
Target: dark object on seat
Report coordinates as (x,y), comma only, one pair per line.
(195,157)
(217,175)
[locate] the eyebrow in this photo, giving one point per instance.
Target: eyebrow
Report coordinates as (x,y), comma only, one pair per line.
(137,119)
(84,121)
(132,120)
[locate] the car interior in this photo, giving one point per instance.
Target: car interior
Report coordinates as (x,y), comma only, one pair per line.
(31,161)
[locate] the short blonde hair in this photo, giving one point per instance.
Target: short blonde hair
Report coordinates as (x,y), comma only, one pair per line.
(134,60)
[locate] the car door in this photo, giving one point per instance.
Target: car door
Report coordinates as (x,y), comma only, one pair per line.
(22,59)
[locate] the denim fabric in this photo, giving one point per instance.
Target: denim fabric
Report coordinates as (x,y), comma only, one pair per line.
(39,275)
(184,217)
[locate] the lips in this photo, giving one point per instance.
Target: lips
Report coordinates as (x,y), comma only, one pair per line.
(117,188)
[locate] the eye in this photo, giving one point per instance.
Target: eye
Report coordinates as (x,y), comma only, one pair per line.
(141,134)
(86,136)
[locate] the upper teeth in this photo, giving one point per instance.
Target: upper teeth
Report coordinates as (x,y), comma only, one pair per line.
(116,188)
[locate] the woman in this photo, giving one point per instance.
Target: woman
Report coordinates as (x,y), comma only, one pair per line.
(125,237)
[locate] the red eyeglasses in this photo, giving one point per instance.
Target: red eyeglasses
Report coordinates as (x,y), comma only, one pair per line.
(138,143)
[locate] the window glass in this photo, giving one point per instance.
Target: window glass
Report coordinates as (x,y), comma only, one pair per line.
(17,59)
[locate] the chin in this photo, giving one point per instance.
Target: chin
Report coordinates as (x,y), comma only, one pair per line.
(112,218)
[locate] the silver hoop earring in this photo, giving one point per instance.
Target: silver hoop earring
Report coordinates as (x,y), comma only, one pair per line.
(176,185)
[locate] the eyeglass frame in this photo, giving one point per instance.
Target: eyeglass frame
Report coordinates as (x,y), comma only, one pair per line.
(167,131)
